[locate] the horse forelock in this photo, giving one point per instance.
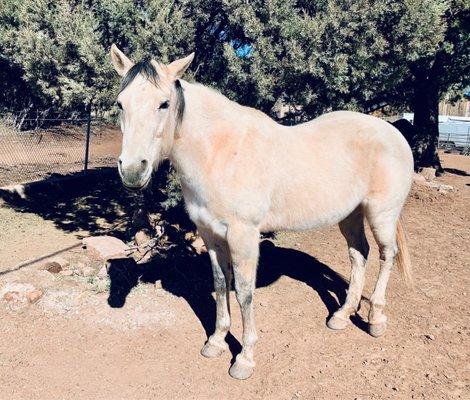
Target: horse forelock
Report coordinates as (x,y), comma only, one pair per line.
(144,68)
(150,73)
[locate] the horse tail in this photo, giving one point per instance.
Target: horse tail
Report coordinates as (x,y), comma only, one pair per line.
(403,259)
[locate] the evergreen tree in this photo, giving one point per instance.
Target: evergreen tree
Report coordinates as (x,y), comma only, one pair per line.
(315,56)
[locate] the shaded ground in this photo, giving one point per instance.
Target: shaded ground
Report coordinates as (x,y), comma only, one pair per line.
(130,339)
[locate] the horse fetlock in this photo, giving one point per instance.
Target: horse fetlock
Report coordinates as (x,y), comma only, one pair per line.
(249,340)
(376,311)
(376,319)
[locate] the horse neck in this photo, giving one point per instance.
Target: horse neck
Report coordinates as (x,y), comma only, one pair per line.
(208,117)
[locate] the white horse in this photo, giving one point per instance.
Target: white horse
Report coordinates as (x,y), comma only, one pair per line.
(242,174)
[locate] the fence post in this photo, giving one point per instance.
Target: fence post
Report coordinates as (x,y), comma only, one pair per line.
(87,143)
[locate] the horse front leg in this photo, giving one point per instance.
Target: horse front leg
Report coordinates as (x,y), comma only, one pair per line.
(220,260)
(243,242)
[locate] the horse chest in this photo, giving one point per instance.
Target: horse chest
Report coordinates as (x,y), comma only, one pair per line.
(201,214)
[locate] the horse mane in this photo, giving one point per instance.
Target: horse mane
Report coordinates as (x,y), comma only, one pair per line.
(149,72)
(224,102)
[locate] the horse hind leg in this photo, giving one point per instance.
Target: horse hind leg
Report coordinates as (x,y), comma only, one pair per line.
(383,226)
(352,229)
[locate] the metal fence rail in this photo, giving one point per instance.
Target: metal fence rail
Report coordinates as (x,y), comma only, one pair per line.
(63,147)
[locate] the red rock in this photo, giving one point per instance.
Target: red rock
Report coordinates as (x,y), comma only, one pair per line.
(62,261)
(105,247)
(34,295)
(52,266)
(12,296)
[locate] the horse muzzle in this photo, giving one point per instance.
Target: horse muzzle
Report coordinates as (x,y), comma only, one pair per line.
(135,174)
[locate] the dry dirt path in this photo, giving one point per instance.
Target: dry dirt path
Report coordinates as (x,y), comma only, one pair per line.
(73,345)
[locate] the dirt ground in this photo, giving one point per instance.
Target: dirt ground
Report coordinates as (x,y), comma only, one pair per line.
(32,155)
(137,333)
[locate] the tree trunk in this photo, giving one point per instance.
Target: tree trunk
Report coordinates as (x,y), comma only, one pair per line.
(426,121)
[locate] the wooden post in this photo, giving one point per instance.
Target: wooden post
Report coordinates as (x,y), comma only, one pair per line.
(88,132)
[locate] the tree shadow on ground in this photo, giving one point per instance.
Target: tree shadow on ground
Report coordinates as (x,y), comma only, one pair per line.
(456,171)
(190,277)
(95,202)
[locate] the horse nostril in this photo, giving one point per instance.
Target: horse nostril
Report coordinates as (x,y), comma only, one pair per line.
(120,161)
(144,163)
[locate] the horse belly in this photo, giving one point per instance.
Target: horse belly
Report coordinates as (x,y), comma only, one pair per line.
(312,206)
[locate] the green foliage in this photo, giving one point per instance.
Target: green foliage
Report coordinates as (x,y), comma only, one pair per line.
(60,49)
(171,191)
(316,55)
(329,54)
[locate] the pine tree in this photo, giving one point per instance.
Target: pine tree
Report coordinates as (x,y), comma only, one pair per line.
(315,56)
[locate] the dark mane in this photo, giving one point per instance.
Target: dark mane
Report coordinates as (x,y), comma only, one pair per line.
(148,71)
(180,104)
(144,68)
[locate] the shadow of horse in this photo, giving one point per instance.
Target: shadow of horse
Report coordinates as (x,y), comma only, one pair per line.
(190,277)
(76,205)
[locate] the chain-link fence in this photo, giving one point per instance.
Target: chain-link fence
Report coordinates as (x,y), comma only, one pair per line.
(54,147)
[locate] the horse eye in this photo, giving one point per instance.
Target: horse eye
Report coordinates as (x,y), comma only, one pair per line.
(119,105)
(164,105)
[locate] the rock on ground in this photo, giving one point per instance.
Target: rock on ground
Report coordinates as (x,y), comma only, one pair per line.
(428,173)
(142,237)
(105,247)
(34,296)
(88,271)
(52,267)
(21,293)
(419,179)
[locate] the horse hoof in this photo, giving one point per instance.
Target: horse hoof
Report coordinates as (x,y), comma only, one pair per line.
(241,369)
(377,330)
(211,350)
(337,323)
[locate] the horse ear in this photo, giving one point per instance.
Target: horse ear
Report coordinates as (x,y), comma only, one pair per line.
(177,67)
(121,63)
